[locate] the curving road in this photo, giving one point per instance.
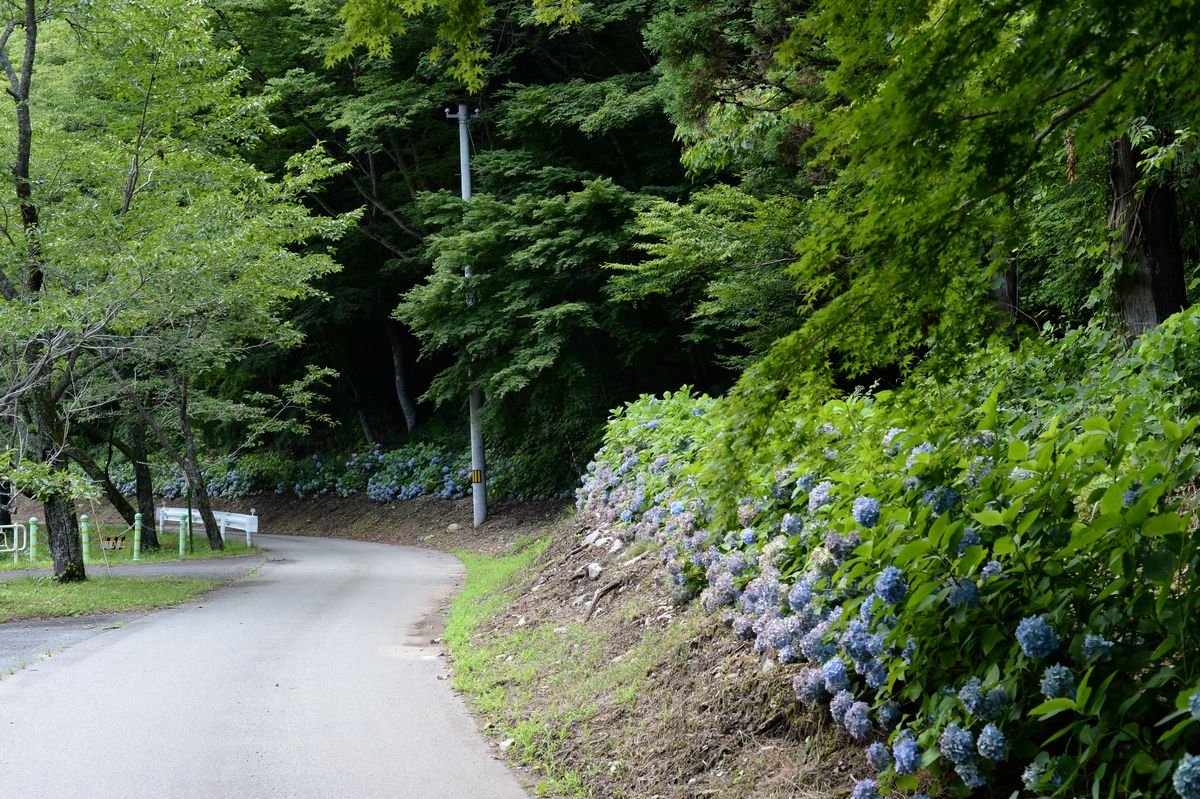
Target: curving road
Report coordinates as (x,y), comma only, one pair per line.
(313,677)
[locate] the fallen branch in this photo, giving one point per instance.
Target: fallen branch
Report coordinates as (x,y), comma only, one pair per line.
(614,585)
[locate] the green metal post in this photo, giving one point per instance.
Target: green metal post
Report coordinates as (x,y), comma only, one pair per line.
(85,537)
(182,539)
(137,536)
(33,542)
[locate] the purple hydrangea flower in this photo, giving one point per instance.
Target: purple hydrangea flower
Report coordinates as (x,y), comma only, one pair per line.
(992,743)
(1036,637)
(890,585)
(866,511)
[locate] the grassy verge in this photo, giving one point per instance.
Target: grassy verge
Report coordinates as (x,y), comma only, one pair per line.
(168,550)
(39,597)
(544,684)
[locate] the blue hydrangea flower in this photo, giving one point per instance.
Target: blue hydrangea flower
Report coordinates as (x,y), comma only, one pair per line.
(970,774)
(940,498)
(874,672)
(1187,777)
(909,651)
(860,643)
(1097,648)
(970,538)
(792,524)
(964,593)
(840,703)
(1194,705)
(1036,637)
(866,511)
(971,695)
(676,508)
(991,570)
(815,647)
(979,468)
(1131,496)
(1033,775)
(1058,682)
(890,585)
(809,686)
(992,743)
(743,627)
(800,596)
(957,744)
(787,655)
(1019,475)
(841,546)
(879,757)
(907,753)
(749,536)
(993,704)
(834,674)
(920,449)
(890,444)
(858,721)
(820,496)
(888,715)
(865,789)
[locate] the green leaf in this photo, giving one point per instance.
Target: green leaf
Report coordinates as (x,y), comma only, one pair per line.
(1052,707)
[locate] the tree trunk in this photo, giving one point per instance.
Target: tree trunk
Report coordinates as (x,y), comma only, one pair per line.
(62,528)
(5,502)
(136,453)
(191,470)
(359,408)
(100,475)
(406,403)
(1146,237)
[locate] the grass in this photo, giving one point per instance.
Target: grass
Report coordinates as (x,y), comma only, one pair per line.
(169,550)
(40,597)
(541,682)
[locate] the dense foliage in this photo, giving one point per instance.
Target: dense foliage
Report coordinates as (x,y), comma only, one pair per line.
(988,581)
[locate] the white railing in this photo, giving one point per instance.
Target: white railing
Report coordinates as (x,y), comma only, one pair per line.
(14,538)
(245,522)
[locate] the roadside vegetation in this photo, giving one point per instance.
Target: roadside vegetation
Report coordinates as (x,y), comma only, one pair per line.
(44,597)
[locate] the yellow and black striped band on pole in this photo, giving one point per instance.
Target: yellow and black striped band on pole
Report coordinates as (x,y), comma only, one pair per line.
(477,475)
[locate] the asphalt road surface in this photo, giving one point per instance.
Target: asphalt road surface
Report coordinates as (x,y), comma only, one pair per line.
(313,677)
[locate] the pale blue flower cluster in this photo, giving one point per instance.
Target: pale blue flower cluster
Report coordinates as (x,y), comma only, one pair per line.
(1036,637)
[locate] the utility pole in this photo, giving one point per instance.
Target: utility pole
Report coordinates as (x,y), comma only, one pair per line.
(478,482)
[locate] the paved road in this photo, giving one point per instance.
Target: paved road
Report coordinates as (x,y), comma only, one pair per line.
(225,568)
(313,677)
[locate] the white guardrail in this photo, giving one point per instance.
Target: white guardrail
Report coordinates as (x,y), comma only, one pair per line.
(244,522)
(13,538)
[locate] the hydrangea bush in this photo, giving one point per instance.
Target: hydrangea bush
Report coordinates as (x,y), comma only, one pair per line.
(1003,596)
(413,470)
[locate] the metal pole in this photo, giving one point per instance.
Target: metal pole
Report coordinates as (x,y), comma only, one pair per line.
(478,479)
